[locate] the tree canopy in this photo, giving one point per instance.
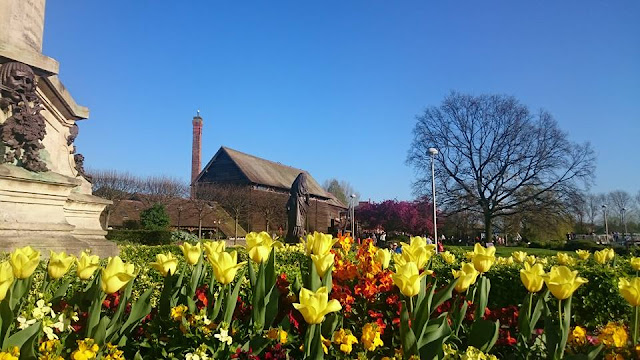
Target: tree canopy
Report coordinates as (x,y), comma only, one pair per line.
(496,157)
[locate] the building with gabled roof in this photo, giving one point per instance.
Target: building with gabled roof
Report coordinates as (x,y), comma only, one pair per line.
(262,177)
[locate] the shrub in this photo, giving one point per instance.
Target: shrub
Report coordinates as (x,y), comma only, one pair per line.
(142,237)
(155,217)
(582,245)
(180,236)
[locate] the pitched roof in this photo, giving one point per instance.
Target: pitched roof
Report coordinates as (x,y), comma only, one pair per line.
(265,172)
(184,209)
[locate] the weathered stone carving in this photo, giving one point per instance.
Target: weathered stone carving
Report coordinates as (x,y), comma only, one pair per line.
(297,207)
(79,160)
(73,134)
(25,128)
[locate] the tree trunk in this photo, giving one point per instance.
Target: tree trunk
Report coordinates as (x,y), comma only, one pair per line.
(487,228)
(235,239)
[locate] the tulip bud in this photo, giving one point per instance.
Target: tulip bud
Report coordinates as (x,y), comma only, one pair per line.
(116,275)
(630,290)
(531,277)
(224,265)
(24,262)
(519,256)
(211,247)
(448,257)
(483,257)
(191,252)
(466,276)
(165,264)
(87,264)
(59,264)
(259,246)
(323,263)
(315,305)
(562,282)
(383,256)
(583,254)
(407,278)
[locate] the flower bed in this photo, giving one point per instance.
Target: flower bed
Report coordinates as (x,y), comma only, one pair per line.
(325,297)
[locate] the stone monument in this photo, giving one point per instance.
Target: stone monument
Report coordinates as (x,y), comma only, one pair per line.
(297,207)
(45,196)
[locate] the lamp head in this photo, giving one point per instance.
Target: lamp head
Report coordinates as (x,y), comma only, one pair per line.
(433,151)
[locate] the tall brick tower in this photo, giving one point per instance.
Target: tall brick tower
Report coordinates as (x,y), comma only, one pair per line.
(196,150)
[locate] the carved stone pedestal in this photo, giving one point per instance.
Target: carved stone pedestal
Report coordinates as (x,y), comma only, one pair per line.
(39,209)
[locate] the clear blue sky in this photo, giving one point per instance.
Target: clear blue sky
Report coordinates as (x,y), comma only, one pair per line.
(346,78)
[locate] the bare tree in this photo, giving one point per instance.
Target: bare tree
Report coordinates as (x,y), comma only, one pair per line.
(593,205)
(162,189)
(270,206)
(203,205)
(236,199)
(115,186)
(621,202)
(342,190)
(491,147)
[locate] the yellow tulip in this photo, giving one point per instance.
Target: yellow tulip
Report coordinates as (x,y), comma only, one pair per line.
(510,260)
(383,256)
(601,256)
(469,255)
(407,278)
(6,279)
(562,282)
(483,257)
(519,256)
(59,264)
(225,266)
(583,254)
(323,263)
(191,253)
(630,290)
(466,276)
(564,259)
(211,247)
(418,247)
(24,261)
(448,257)
(610,254)
(116,275)
(87,264)
(319,243)
(165,264)
(542,261)
(531,277)
(259,246)
(635,263)
(315,305)
(531,259)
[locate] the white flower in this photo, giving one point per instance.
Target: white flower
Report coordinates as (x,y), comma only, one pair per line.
(224,337)
(75,317)
(42,310)
(192,356)
(24,323)
(49,332)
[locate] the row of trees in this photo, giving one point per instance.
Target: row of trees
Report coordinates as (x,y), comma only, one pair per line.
(238,201)
(413,217)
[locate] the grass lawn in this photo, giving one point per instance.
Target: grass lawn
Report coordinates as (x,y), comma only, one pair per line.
(505,251)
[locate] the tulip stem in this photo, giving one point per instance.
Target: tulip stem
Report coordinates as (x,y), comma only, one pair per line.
(411,306)
(530,301)
(560,313)
(635,327)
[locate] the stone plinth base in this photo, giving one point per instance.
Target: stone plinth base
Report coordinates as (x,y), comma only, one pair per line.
(39,209)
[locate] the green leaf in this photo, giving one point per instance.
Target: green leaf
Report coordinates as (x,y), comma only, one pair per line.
(62,290)
(139,310)
(259,301)
(438,331)
(484,334)
(484,286)
(443,295)
(218,302)
(330,324)
(230,305)
(101,331)
(272,306)
(409,342)
(124,300)
(423,291)
(137,356)
(270,270)
(165,297)
(252,275)
(459,317)
(23,338)
(94,314)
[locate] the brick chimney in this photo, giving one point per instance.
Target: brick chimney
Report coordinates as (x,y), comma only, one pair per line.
(196,150)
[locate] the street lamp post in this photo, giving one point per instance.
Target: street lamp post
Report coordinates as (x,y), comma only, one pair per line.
(606,225)
(434,152)
(624,210)
(353,216)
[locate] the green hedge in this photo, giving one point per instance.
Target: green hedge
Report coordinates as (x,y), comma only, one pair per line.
(142,237)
